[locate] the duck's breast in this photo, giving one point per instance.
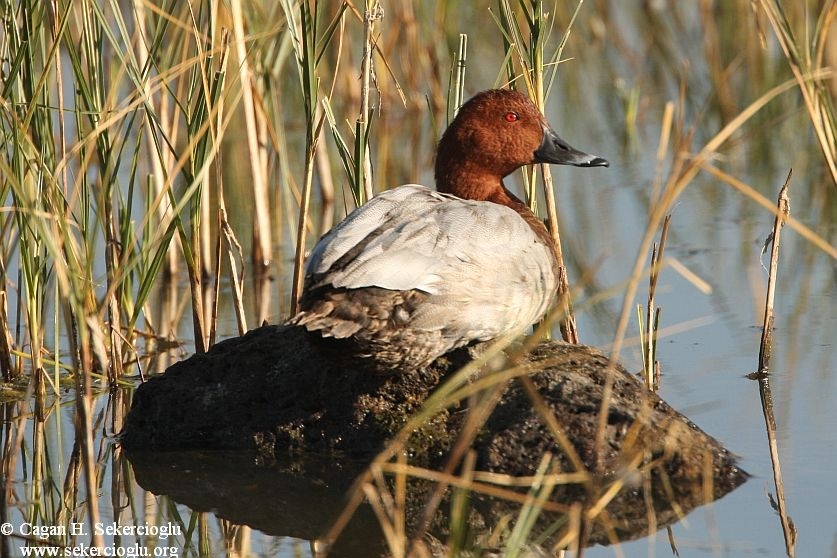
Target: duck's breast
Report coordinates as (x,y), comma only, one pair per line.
(484,267)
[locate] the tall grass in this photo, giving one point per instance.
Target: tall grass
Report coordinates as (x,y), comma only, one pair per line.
(309,45)
(806,60)
(116,121)
(526,36)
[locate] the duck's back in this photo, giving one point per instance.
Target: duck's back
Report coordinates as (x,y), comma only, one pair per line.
(414,274)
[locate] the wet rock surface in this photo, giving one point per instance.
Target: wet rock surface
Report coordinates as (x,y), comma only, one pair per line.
(276,391)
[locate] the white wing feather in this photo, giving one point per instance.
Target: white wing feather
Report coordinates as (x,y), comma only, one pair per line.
(485,268)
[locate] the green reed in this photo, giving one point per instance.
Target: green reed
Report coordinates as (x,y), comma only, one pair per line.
(84,121)
(309,46)
(649,323)
(526,35)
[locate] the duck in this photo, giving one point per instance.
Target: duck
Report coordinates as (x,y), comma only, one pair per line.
(416,273)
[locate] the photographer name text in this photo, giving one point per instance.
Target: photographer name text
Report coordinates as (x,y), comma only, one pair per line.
(111,529)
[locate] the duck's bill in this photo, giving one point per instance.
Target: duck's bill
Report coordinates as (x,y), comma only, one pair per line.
(558,152)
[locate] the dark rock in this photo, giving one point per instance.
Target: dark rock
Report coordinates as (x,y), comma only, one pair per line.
(275,391)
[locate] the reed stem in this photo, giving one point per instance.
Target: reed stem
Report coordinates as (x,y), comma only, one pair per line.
(783,211)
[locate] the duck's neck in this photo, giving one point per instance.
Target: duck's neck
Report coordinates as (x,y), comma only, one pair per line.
(476,184)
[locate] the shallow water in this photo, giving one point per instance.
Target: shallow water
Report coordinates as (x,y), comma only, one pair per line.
(716,233)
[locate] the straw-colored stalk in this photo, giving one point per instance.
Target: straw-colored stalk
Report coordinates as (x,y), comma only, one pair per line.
(256,134)
(765,350)
(805,62)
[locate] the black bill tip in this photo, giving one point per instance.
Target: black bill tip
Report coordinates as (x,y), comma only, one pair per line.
(555,150)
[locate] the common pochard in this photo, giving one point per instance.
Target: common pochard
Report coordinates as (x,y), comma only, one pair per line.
(415,273)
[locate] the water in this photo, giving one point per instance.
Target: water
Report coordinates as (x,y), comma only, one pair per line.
(716,233)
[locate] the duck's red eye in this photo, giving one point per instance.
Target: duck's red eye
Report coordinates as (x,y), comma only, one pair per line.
(512,117)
